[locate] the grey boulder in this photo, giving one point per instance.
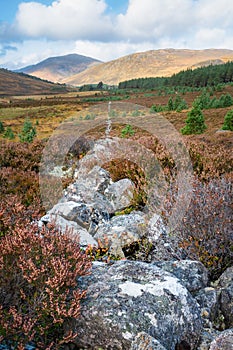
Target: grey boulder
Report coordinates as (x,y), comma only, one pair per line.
(224,341)
(121,231)
(144,341)
(120,194)
(193,274)
(127,298)
(226,296)
(75,231)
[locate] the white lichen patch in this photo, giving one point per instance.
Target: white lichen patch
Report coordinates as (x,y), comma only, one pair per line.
(127,335)
(152,319)
(156,288)
(132,289)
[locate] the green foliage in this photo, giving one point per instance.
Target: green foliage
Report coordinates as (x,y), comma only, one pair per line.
(203,101)
(28,132)
(8,134)
(2,128)
(170,105)
(226,100)
(156,108)
(135,113)
(90,116)
(127,131)
(228,121)
(195,123)
(113,113)
(212,75)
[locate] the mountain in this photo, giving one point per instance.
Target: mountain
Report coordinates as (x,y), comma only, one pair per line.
(154,63)
(57,68)
(12,83)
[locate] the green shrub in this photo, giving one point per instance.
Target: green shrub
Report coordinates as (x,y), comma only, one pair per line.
(2,129)
(203,101)
(8,134)
(127,131)
(195,123)
(226,100)
(90,116)
(156,109)
(228,121)
(135,113)
(28,132)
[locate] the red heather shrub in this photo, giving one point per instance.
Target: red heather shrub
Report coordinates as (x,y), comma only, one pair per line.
(39,294)
(206,230)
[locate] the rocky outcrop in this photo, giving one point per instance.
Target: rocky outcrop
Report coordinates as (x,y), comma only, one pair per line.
(226,296)
(167,303)
(89,205)
(127,298)
(121,231)
(192,274)
(144,341)
(120,194)
(224,341)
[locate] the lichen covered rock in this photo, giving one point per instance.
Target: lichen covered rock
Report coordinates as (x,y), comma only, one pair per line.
(127,298)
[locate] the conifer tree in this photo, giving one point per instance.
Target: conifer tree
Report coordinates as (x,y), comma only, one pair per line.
(28,132)
(228,121)
(2,129)
(195,123)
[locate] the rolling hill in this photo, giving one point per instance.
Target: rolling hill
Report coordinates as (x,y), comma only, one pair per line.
(154,63)
(12,83)
(57,68)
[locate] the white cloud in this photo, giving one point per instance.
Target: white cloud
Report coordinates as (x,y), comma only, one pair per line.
(65,19)
(215,13)
(88,27)
(153,19)
(33,51)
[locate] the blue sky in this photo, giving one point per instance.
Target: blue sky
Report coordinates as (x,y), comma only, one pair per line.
(108,29)
(9,7)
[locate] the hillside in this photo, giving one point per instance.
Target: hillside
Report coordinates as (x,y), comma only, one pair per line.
(57,68)
(149,64)
(12,83)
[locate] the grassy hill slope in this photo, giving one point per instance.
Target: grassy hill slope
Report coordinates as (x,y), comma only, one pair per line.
(57,68)
(154,63)
(12,83)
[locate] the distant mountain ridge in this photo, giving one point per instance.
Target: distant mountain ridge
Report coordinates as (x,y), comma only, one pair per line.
(153,63)
(57,68)
(12,83)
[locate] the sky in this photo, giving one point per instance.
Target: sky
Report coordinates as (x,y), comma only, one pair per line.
(31,31)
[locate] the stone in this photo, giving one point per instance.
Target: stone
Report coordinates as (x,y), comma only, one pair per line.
(120,194)
(129,297)
(121,231)
(224,341)
(96,180)
(75,231)
(86,186)
(208,299)
(193,274)
(207,336)
(156,228)
(73,211)
(144,341)
(226,296)
(85,215)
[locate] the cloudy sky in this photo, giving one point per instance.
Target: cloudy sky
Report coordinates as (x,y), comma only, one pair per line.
(31,31)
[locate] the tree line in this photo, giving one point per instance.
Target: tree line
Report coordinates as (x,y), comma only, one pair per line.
(211,75)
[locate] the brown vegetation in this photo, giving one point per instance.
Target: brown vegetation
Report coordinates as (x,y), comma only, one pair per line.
(154,63)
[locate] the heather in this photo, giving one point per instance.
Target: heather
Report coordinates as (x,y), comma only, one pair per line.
(40,298)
